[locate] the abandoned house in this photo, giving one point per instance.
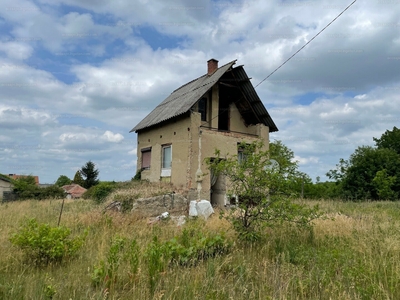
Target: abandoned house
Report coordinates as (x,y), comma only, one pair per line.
(218,110)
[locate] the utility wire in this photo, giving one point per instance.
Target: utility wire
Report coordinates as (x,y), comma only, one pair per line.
(306,43)
(298,50)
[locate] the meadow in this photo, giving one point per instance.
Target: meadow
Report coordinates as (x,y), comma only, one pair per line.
(352,253)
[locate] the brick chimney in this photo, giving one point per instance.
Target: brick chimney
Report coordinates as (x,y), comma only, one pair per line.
(212,66)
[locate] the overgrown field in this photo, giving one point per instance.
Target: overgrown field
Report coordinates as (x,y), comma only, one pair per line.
(354,256)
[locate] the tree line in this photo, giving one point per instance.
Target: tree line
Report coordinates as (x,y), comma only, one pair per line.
(371,172)
(26,188)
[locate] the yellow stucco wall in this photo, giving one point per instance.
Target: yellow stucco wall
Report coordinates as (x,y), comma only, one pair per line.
(176,134)
(227,143)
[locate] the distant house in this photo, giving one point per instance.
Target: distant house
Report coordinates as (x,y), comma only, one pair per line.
(220,110)
(15,176)
(73,191)
(5,186)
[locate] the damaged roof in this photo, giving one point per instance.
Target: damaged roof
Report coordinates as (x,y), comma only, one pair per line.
(182,99)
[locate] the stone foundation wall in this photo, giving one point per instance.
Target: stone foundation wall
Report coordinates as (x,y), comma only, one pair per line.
(154,206)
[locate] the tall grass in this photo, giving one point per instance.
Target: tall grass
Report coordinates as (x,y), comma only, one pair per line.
(354,253)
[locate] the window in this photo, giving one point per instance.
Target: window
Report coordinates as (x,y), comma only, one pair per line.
(166,161)
(146,158)
(241,155)
(243,151)
(202,108)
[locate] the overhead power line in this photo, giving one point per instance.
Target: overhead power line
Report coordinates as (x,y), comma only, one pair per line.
(307,43)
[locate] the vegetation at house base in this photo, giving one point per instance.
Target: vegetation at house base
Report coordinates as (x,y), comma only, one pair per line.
(89,174)
(264,191)
(63,180)
(371,172)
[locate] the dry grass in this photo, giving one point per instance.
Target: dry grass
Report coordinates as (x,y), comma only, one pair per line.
(355,255)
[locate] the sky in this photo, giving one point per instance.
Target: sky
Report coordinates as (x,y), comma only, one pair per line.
(77,75)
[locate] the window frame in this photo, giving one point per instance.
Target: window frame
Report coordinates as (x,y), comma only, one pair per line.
(166,172)
(240,153)
(143,151)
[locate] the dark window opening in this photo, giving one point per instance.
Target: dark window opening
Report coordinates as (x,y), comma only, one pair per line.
(202,108)
(223,115)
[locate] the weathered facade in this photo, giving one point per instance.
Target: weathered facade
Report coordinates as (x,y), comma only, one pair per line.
(218,110)
(5,186)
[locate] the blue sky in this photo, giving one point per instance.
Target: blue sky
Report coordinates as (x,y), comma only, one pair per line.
(77,76)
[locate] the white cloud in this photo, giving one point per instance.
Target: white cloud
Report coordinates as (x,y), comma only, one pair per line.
(133,151)
(76,137)
(15,50)
(111,137)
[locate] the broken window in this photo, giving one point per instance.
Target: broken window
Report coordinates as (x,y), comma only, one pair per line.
(146,158)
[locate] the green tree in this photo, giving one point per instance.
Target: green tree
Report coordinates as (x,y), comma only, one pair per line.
(263,189)
(25,187)
(389,140)
(78,179)
(90,174)
(356,174)
(63,180)
(383,184)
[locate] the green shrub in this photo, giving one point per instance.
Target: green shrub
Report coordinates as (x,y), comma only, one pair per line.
(138,176)
(99,192)
(193,246)
(44,244)
(26,188)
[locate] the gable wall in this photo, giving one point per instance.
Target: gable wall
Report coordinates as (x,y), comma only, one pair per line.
(237,122)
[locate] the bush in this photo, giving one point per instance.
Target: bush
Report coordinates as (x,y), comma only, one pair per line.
(26,188)
(138,176)
(193,246)
(44,244)
(99,192)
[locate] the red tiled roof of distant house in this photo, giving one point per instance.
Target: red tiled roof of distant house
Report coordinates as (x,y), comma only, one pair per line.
(75,190)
